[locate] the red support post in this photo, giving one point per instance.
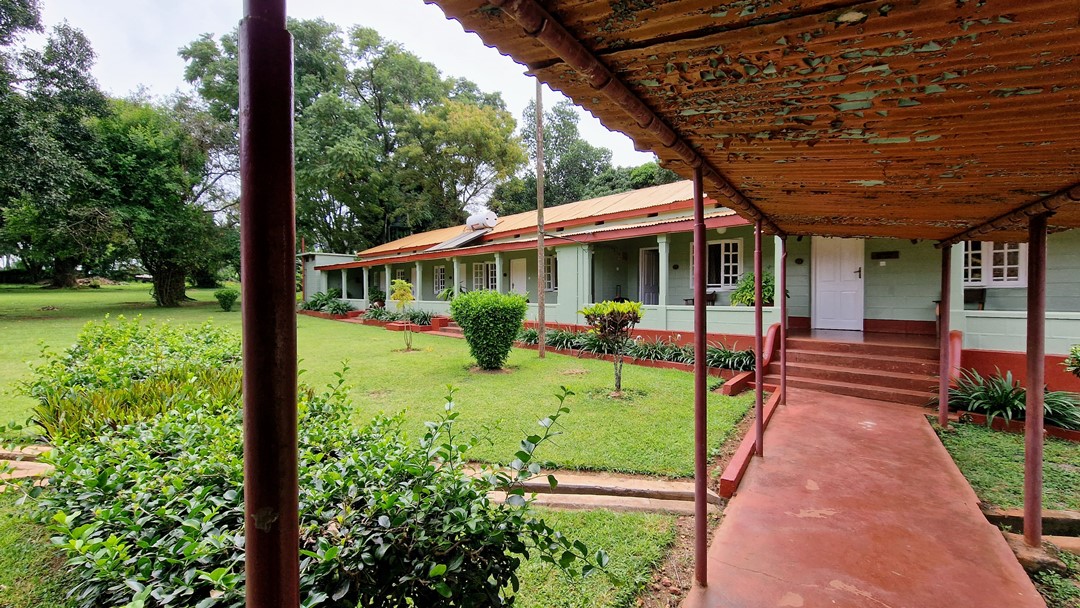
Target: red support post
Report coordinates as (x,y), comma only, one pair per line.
(944,319)
(783,320)
(268,239)
(701,475)
(759,374)
(1036,381)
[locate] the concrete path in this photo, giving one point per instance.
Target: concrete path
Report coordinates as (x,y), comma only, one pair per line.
(857,504)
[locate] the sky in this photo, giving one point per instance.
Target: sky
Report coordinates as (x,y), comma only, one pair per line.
(136,43)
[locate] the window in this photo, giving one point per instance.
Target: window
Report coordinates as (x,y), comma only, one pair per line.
(551,273)
(478,274)
(484,276)
(724,263)
(439,283)
(399,274)
(995,264)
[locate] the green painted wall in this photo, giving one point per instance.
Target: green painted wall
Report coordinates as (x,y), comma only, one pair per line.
(903,288)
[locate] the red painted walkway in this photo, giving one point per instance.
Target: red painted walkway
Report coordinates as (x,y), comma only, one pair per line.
(857,504)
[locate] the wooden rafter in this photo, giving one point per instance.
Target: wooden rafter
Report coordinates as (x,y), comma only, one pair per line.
(1043,206)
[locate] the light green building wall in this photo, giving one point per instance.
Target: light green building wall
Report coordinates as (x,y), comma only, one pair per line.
(903,288)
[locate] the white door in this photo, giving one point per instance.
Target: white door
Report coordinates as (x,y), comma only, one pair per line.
(838,283)
(518,276)
(649,277)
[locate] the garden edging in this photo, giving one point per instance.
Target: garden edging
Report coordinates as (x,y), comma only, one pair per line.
(1017,426)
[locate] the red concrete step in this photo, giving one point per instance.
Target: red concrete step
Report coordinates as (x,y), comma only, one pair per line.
(887,349)
(893,395)
(886,363)
(851,375)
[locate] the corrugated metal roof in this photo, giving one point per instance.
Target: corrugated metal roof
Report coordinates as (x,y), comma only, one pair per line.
(626,202)
(902,118)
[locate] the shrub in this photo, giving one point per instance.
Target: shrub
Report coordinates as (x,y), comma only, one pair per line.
(562,339)
(1003,396)
(226,298)
(338,307)
(82,415)
(1072,363)
(115,353)
(319,300)
(379,314)
(528,336)
(374,294)
(612,324)
(419,317)
(743,294)
(490,321)
(720,356)
(154,511)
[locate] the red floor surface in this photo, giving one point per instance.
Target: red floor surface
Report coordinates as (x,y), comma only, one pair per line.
(857,503)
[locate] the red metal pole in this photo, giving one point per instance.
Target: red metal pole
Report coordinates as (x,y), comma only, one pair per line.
(944,318)
(268,238)
(759,374)
(783,320)
(701,475)
(1036,381)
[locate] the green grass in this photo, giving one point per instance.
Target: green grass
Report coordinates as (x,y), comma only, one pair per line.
(993,463)
(636,542)
(648,431)
(30,569)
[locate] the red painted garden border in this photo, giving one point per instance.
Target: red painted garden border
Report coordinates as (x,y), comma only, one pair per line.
(1016,426)
(736,468)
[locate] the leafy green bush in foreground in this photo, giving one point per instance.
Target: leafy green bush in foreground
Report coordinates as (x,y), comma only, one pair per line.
(154,511)
(490,321)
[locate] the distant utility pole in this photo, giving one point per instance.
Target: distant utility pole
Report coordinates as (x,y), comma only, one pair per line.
(541,268)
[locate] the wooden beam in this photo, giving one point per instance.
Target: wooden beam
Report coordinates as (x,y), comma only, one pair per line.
(1020,215)
(541,25)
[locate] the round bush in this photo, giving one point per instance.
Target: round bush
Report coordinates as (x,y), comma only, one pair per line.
(490,321)
(226,298)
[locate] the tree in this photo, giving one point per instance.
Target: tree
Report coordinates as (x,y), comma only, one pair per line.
(613,324)
(383,141)
(154,169)
(48,192)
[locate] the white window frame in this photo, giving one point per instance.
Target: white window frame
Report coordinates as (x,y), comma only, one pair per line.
(551,273)
(478,275)
(986,265)
(731,281)
(484,276)
(399,274)
(438,279)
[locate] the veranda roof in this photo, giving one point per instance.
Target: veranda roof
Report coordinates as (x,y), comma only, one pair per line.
(677,195)
(901,118)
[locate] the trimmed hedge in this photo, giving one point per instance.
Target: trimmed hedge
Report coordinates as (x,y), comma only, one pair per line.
(490,321)
(226,298)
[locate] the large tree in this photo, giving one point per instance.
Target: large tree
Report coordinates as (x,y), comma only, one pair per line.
(49,211)
(383,140)
(574,169)
(155,170)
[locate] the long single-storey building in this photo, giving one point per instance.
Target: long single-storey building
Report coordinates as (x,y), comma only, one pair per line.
(637,245)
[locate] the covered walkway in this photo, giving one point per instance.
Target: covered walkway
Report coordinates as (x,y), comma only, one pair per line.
(857,503)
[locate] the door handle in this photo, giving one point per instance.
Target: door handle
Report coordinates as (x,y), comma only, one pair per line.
(858,272)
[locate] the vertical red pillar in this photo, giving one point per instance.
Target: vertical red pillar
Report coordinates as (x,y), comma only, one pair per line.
(701,475)
(759,374)
(1036,381)
(268,238)
(782,295)
(944,319)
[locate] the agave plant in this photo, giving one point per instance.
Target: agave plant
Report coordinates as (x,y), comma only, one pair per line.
(1002,395)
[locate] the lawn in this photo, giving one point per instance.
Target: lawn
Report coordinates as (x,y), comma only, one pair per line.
(993,463)
(648,431)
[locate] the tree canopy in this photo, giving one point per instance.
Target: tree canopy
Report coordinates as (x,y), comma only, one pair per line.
(385,144)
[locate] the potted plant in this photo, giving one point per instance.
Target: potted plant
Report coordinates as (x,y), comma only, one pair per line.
(743,295)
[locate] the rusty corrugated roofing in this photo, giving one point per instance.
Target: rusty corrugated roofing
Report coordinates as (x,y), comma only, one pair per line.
(642,200)
(903,118)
